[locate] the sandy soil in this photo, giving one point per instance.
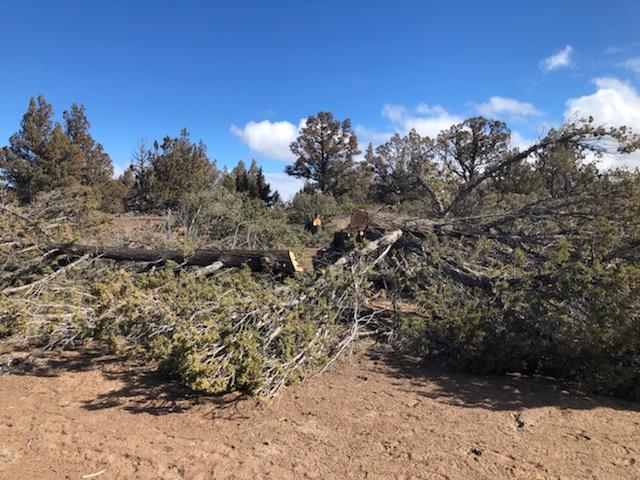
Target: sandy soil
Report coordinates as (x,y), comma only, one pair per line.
(86,415)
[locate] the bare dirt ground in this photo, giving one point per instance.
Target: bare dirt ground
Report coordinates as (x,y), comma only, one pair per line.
(87,415)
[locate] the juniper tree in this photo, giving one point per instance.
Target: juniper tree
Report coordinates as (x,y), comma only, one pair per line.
(27,151)
(97,168)
(324,153)
(258,185)
(178,167)
(466,149)
(401,167)
(43,155)
(252,182)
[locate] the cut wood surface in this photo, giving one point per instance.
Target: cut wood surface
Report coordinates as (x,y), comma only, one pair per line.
(276,261)
(385,241)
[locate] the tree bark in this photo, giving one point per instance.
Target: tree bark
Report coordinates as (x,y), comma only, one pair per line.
(274,261)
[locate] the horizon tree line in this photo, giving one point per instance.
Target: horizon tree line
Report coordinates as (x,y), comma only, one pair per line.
(460,169)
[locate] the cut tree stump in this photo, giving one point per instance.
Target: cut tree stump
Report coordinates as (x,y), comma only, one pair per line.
(274,261)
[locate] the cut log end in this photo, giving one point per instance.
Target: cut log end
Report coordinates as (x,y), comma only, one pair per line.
(296,267)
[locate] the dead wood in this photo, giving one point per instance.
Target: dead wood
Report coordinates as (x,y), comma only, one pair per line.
(273,261)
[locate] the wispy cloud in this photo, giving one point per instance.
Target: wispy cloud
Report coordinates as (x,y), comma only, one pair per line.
(561,59)
(632,64)
(425,119)
(621,48)
(498,107)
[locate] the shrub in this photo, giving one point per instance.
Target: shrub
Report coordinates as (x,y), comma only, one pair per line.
(233,220)
(577,319)
(307,206)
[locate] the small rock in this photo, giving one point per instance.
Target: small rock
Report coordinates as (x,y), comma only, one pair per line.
(6,456)
(476,451)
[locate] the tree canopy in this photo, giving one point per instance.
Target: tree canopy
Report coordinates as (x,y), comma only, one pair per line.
(325,151)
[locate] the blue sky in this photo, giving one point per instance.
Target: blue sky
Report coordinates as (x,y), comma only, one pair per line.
(241,75)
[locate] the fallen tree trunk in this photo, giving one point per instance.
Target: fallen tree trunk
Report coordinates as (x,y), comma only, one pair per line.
(274,261)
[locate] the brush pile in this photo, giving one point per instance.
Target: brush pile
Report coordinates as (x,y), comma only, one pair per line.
(215,330)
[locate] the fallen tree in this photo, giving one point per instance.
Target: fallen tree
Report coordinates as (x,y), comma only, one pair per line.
(236,331)
(273,261)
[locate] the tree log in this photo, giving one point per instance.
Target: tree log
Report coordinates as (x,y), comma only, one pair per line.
(274,261)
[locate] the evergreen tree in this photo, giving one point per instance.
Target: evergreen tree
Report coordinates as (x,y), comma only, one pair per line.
(324,153)
(28,149)
(43,155)
(241,177)
(398,165)
(140,193)
(468,148)
(228,180)
(253,182)
(178,167)
(97,168)
(258,185)
(60,166)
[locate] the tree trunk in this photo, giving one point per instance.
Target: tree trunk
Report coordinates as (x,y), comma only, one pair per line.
(274,261)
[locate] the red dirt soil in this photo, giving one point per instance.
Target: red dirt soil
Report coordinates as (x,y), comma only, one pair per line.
(87,415)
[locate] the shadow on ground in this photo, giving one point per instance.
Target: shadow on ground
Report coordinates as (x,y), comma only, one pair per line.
(492,392)
(142,390)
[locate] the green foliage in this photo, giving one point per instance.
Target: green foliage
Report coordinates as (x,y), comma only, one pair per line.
(236,331)
(400,167)
(578,318)
(324,153)
(227,219)
(166,174)
(252,182)
(307,206)
(45,156)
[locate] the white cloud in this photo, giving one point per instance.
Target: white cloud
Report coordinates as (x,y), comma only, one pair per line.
(285,184)
(395,113)
(632,64)
(615,103)
(269,139)
(118,170)
(617,49)
(498,107)
(520,142)
(561,59)
(426,120)
(368,135)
